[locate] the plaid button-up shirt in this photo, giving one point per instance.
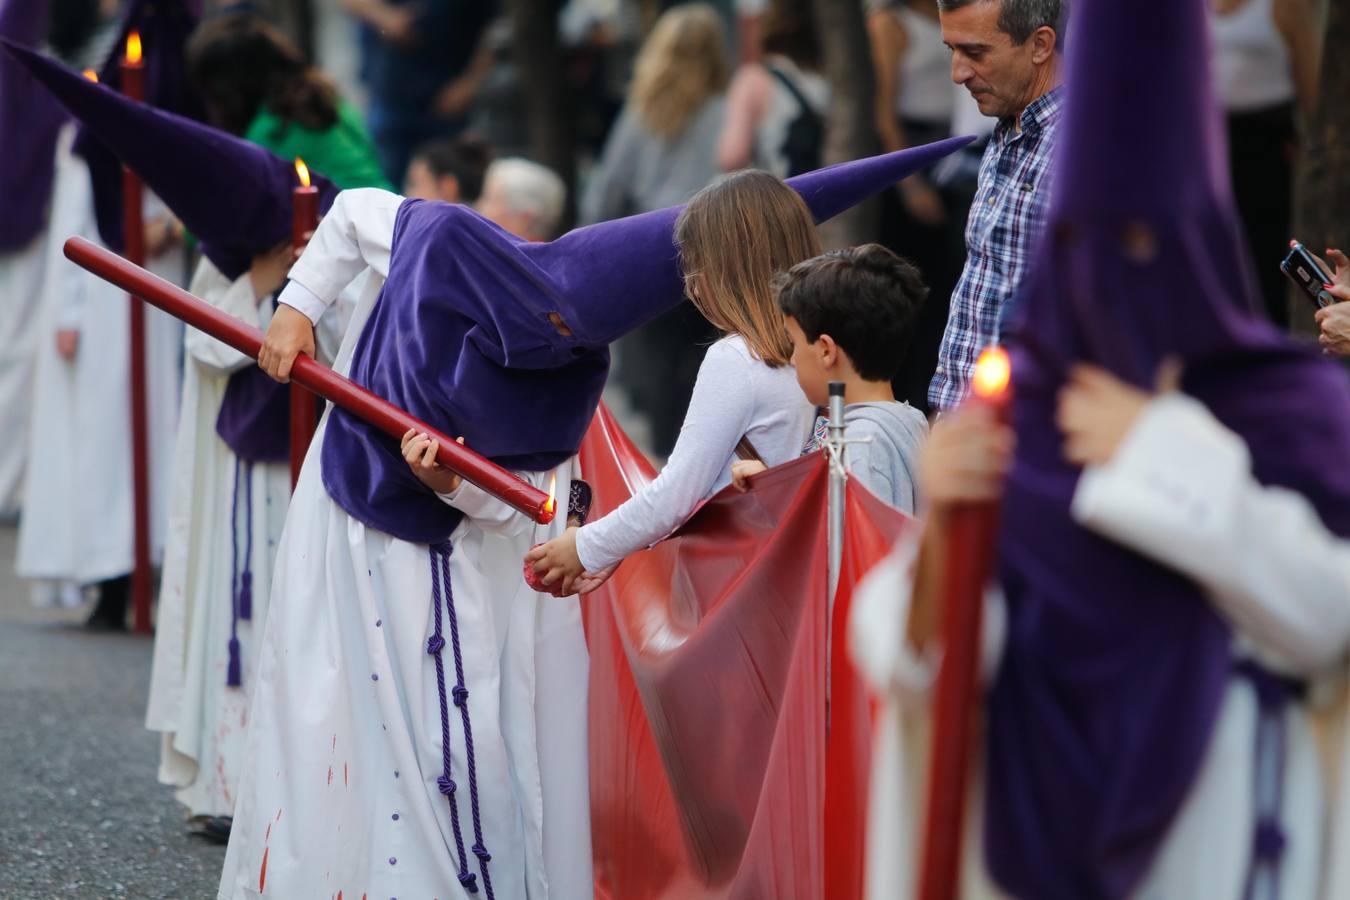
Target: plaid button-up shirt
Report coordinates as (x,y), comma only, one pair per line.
(1007,215)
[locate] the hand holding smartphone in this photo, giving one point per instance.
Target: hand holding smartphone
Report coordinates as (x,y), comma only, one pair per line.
(1302,268)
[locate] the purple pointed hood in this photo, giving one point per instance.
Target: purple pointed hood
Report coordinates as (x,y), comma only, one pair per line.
(1102,711)
(164,27)
(635,257)
(234,196)
(29,122)
(462,336)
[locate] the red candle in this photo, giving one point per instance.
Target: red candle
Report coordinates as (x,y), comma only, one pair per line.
(304,219)
(971,531)
(320,379)
(133,236)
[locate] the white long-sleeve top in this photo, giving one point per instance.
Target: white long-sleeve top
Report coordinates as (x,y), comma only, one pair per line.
(1179,490)
(356,234)
(735,396)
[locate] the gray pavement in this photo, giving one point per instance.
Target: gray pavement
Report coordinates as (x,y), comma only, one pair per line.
(81,814)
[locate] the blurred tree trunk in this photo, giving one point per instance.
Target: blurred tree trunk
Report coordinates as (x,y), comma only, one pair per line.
(850,131)
(1322,204)
(543,80)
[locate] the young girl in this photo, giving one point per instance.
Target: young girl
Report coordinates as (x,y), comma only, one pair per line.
(733,237)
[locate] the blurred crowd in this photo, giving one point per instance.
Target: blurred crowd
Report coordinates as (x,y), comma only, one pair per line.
(668,96)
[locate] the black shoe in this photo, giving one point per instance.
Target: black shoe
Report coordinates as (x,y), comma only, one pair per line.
(110,614)
(217,829)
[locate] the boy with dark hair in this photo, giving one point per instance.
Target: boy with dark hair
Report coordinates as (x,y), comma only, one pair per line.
(851,314)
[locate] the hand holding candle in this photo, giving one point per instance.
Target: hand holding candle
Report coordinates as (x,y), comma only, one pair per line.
(969,521)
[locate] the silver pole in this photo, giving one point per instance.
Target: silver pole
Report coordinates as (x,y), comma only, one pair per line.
(838,478)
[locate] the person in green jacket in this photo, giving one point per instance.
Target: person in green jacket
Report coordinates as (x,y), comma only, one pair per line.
(256,84)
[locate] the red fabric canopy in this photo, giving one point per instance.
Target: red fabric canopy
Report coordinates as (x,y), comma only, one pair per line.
(711,771)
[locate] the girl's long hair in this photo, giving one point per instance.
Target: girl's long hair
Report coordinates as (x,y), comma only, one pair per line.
(682,64)
(241,65)
(734,237)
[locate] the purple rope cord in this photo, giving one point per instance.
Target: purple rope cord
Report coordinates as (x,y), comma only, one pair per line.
(246,577)
(461,697)
(435,644)
(1274,693)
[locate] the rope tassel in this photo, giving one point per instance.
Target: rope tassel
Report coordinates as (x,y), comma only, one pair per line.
(233,676)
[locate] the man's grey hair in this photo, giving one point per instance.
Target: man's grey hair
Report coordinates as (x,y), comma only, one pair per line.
(529,188)
(1019,19)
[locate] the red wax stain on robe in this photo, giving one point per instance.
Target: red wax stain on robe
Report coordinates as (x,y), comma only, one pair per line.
(330,774)
(344,774)
(262,873)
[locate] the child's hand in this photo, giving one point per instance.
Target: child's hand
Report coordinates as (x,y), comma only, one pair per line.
(742,469)
(966,459)
(1097,409)
(420,452)
(558,559)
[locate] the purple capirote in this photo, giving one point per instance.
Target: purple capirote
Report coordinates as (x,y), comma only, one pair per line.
(164,26)
(30,121)
(1101,713)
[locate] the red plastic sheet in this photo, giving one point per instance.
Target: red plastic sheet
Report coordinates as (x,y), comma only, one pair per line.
(713,771)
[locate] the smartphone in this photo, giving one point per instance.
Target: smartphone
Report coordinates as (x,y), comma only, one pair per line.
(1302,269)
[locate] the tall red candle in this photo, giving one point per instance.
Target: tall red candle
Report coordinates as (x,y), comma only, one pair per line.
(971,531)
(133,236)
(304,219)
(323,381)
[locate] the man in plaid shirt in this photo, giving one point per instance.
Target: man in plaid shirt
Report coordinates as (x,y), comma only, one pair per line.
(1005,52)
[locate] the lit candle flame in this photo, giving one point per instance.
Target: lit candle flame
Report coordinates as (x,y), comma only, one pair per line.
(134,48)
(993,371)
(302,171)
(552,494)
(91,75)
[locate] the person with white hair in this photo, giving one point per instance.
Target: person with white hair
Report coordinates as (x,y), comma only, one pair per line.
(525,198)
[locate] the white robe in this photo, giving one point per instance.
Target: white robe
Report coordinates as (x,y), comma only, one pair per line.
(77,520)
(203,721)
(1178,490)
(21,274)
(345,739)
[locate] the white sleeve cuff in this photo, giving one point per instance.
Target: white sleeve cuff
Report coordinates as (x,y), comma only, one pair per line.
(1169,490)
(585,553)
(299,297)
